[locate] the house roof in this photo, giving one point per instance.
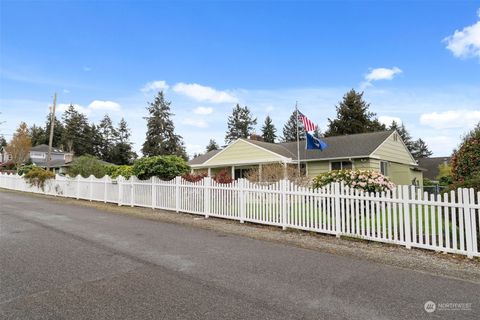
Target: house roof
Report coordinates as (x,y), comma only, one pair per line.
(431,166)
(346,146)
(44,148)
(54,163)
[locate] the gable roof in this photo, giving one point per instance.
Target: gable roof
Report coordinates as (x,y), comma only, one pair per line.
(431,166)
(346,146)
(44,148)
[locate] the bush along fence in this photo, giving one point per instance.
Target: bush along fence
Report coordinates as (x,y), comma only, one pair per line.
(404,216)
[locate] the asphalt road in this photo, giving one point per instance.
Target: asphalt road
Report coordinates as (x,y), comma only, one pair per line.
(60,261)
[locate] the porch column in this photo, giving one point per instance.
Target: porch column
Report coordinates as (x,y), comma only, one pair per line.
(233,172)
(209,172)
(285,170)
(260,172)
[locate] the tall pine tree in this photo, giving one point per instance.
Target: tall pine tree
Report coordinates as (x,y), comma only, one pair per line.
(269,130)
(108,136)
(37,135)
(420,149)
(212,145)
(122,152)
(161,138)
(353,117)
(77,132)
(240,124)
(57,132)
(290,129)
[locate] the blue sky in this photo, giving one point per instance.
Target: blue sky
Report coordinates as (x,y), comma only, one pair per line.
(418,62)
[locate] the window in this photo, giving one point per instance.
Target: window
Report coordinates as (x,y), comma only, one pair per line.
(384,168)
(341,165)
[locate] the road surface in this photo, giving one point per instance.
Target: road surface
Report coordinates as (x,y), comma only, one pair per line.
(63,261)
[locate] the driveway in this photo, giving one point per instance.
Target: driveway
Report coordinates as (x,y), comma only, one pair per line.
(63,261)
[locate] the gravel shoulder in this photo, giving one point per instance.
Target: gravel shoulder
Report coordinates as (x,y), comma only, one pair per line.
(430,262)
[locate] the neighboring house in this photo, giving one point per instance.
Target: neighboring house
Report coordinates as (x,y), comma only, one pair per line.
(431,166)
(4,156)
(382,151)
(60,160)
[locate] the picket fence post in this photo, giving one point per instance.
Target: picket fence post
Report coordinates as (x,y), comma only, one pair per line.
(406,217)
(474,219)
(207,182)
(91,187)
(283,190)
(336,194)
(120,191)
(105,188)
(78,186)
(154,192)
(241,188)
(177,194)
(468,222)
(132,191)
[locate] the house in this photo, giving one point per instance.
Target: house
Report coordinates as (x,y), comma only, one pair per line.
(432,165)
(382,151)
(59,161)
(4,155)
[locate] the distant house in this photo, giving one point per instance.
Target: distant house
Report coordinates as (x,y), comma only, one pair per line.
(382,151)
(4,156)
(431,166)
(60,160)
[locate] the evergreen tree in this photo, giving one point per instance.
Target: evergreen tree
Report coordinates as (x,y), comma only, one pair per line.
(37,135)
(353,117)
(57,132)
(420,150)
(96,141)
(240,124)
(269,130)
(161,138)
(403,133)
(290,129)
(108,140)
(3,141)
(77,132)
(212,145)
(122,152)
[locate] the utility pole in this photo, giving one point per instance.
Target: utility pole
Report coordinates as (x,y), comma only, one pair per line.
(52,124)
(298,140)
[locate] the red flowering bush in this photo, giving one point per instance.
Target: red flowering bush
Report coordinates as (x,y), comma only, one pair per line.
(194,177)
(223,177)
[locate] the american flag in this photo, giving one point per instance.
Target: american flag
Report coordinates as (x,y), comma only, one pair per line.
(307,123)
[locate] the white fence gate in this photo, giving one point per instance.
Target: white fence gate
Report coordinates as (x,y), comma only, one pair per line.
(404,216)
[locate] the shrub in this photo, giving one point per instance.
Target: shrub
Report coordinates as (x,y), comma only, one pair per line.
(223,177)
(86,166)
(366,180)
(163,167)
(38,176)
(124,171)
(110,169)
(466,161)
(473,182)
(194,177)
(276,172)
(25,169)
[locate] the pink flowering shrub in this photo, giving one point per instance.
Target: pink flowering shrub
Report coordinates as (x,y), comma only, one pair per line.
(366,180)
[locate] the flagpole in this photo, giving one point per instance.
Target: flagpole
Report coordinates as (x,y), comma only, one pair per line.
(298,140)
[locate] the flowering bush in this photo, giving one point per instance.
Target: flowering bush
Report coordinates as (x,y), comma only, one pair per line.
(366,180)
(194,177)
(223,177)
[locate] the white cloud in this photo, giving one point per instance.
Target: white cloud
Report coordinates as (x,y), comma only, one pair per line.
(465,43)
(199,123)
(87,69)
(104,105)
(61,107)
(382,74)
(450,119)
(203,110)
(66,91)
(159,85)
(203,93)
(387,120)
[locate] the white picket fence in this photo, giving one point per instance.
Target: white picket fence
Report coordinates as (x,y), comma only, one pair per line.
(405,216)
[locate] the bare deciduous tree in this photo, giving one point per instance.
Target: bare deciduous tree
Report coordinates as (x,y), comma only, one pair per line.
(19,146)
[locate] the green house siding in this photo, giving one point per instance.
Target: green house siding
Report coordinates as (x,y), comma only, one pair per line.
(243,152)
(393,149)
(314,168)
(367,164)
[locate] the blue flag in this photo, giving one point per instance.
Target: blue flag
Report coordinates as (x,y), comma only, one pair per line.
(314,143)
